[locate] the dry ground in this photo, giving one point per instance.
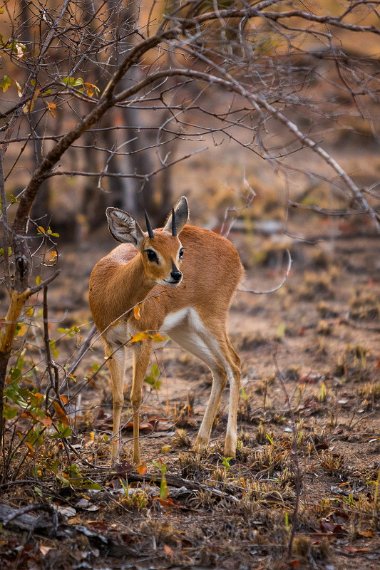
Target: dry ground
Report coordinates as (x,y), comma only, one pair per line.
(309,428)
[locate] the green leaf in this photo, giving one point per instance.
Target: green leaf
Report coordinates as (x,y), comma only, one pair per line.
(73,81)
(9,412)
(53,348)
(164,490)
(93,486)
(5,83)
(70,331)
(2,251)
(269,438)
(62,431)
(153,378)
(226,462)
(281,330)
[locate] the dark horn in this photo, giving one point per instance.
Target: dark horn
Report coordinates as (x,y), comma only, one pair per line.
(148,226)
(174,227)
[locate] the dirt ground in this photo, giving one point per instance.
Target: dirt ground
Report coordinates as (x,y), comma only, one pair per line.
(307,467)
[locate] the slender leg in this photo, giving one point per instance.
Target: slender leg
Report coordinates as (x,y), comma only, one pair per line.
(229,362)
(116,363)
(219,379)
(141,356)
(234,380)
(203,344)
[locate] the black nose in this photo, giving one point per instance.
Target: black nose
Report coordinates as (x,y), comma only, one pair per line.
(176,275)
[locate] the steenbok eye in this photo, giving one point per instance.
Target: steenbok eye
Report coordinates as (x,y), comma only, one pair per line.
(152,255)
(181,252)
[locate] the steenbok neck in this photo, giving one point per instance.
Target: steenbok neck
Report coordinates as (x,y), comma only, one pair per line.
(128,285)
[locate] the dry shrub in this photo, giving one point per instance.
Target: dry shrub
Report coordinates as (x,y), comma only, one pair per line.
(364,306)
(317,285)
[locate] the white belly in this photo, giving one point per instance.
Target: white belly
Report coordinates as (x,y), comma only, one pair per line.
(177,319)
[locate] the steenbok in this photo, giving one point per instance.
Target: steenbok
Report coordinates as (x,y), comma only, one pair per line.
(178,280)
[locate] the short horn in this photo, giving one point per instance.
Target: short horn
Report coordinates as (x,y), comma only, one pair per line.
(174,227)
(148,226)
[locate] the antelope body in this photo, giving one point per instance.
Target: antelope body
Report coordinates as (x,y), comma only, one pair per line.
(182,278)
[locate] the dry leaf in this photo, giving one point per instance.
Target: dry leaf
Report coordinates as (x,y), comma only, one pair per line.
(46,421)
(140,337)
(142,469)
(157,337)
(45,549)
(61,413)
(137,312)
(22,329)
(51,257)
(52,108)
(168,551)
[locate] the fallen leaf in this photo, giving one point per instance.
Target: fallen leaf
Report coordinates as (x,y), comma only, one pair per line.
(168,502)
(45,549)
(355,550)
(142,469)
(68,512)
(46,421)
(144,426)
(168,551)
(366,533)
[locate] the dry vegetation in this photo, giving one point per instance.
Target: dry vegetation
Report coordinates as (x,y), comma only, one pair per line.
(306,472)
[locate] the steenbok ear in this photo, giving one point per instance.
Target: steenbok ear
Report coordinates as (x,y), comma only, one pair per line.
(181,217)
(124,227)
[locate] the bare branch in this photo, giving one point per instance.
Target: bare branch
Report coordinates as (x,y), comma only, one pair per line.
(274,289)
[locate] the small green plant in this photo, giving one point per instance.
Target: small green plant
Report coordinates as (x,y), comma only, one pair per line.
(322,395)
(269,437)
(331,462)
(164,489)
(133,498)
(226,462)
(287,523)
(153,378)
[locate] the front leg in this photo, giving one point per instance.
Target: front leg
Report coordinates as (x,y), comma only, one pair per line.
(116,364)
(141,357)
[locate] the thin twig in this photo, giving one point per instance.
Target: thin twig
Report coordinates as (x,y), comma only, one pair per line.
(35,507)
(51,365)
(82,351)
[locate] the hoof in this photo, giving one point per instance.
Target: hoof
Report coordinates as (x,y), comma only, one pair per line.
(200,444)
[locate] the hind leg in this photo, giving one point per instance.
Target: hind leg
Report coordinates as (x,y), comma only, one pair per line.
(234,380)
(189,339)
(222,360)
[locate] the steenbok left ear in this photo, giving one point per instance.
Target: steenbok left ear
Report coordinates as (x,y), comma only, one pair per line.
(181,216)
(124,227)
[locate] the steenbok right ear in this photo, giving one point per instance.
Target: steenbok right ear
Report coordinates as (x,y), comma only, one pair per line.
(124,227)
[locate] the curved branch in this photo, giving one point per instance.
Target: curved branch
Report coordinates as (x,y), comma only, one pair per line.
(274,289)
